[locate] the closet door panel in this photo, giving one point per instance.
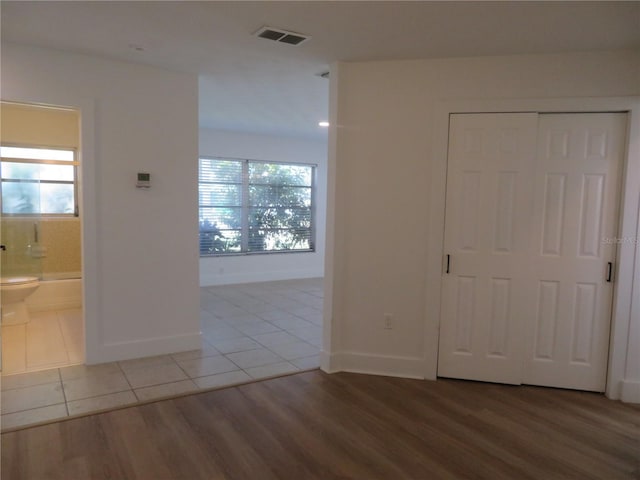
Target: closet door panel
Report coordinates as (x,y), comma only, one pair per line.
(487,238)
(578,170)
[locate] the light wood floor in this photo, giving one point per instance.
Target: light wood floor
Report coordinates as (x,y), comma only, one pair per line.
(342,426)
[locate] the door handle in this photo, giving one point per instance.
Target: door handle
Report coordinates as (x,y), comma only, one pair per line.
(3,247)
(448,262)
(609,271)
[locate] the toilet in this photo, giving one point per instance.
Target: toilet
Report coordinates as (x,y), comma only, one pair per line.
(13,293)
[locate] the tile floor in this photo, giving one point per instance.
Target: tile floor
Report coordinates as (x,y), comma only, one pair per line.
(51,339)
(250,331)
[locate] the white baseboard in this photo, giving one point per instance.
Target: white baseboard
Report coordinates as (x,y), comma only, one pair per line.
(211,279)
(630,391)
(328,362)
(390,366)
(112,352)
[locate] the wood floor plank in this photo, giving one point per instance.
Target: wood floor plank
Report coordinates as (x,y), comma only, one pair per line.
(87,453)
(190,461)
(131,443)
(448,425)
(254,421)
(236,456)
(350,426)
(415,447)
(328,453)
(498,433)
(44,444)
(606,441)
(312,425)
(345,435)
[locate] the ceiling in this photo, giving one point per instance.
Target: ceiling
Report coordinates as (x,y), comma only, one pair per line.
(254,85)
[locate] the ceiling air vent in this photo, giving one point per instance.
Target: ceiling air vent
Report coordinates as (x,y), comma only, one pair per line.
(282,36)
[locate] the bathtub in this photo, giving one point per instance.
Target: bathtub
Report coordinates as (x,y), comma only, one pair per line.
(56,294)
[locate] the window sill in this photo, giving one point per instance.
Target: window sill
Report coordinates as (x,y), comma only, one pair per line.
(246,254)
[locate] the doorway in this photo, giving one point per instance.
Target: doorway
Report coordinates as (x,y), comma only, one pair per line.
(530,244)
(41,235)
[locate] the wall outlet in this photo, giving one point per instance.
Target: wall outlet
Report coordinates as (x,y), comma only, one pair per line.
(388,321)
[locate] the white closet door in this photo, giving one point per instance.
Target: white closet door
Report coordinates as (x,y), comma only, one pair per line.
(487,235)
(578,168)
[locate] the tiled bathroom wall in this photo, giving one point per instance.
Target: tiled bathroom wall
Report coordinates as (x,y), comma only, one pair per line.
(55,255)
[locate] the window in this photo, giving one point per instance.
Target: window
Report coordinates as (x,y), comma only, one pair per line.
(249,206)
(37,181)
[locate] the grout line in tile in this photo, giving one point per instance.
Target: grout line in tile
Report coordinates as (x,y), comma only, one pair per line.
(223,317)
(64,341)
(64,394)
(128,382)
(35,408)
(182,370)
(225,356)
(154,400)
(39,368)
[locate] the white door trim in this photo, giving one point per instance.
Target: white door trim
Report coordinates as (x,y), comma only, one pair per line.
(88,213)
(623,377)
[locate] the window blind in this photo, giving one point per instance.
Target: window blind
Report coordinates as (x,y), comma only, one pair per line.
(249,206)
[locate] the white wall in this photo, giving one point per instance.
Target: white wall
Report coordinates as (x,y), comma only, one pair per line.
(140,251)
(267,267)
(386,166)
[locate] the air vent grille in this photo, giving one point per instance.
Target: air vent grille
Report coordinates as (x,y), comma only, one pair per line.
(281,36)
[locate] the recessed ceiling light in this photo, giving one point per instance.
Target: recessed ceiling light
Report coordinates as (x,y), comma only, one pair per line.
(323,124)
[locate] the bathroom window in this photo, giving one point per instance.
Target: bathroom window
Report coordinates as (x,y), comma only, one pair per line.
(249,206)
(38,181)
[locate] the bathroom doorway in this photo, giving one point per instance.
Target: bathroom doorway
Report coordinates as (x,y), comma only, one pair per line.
(40,232)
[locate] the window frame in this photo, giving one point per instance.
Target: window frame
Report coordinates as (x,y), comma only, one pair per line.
(74,163)
(245,206)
